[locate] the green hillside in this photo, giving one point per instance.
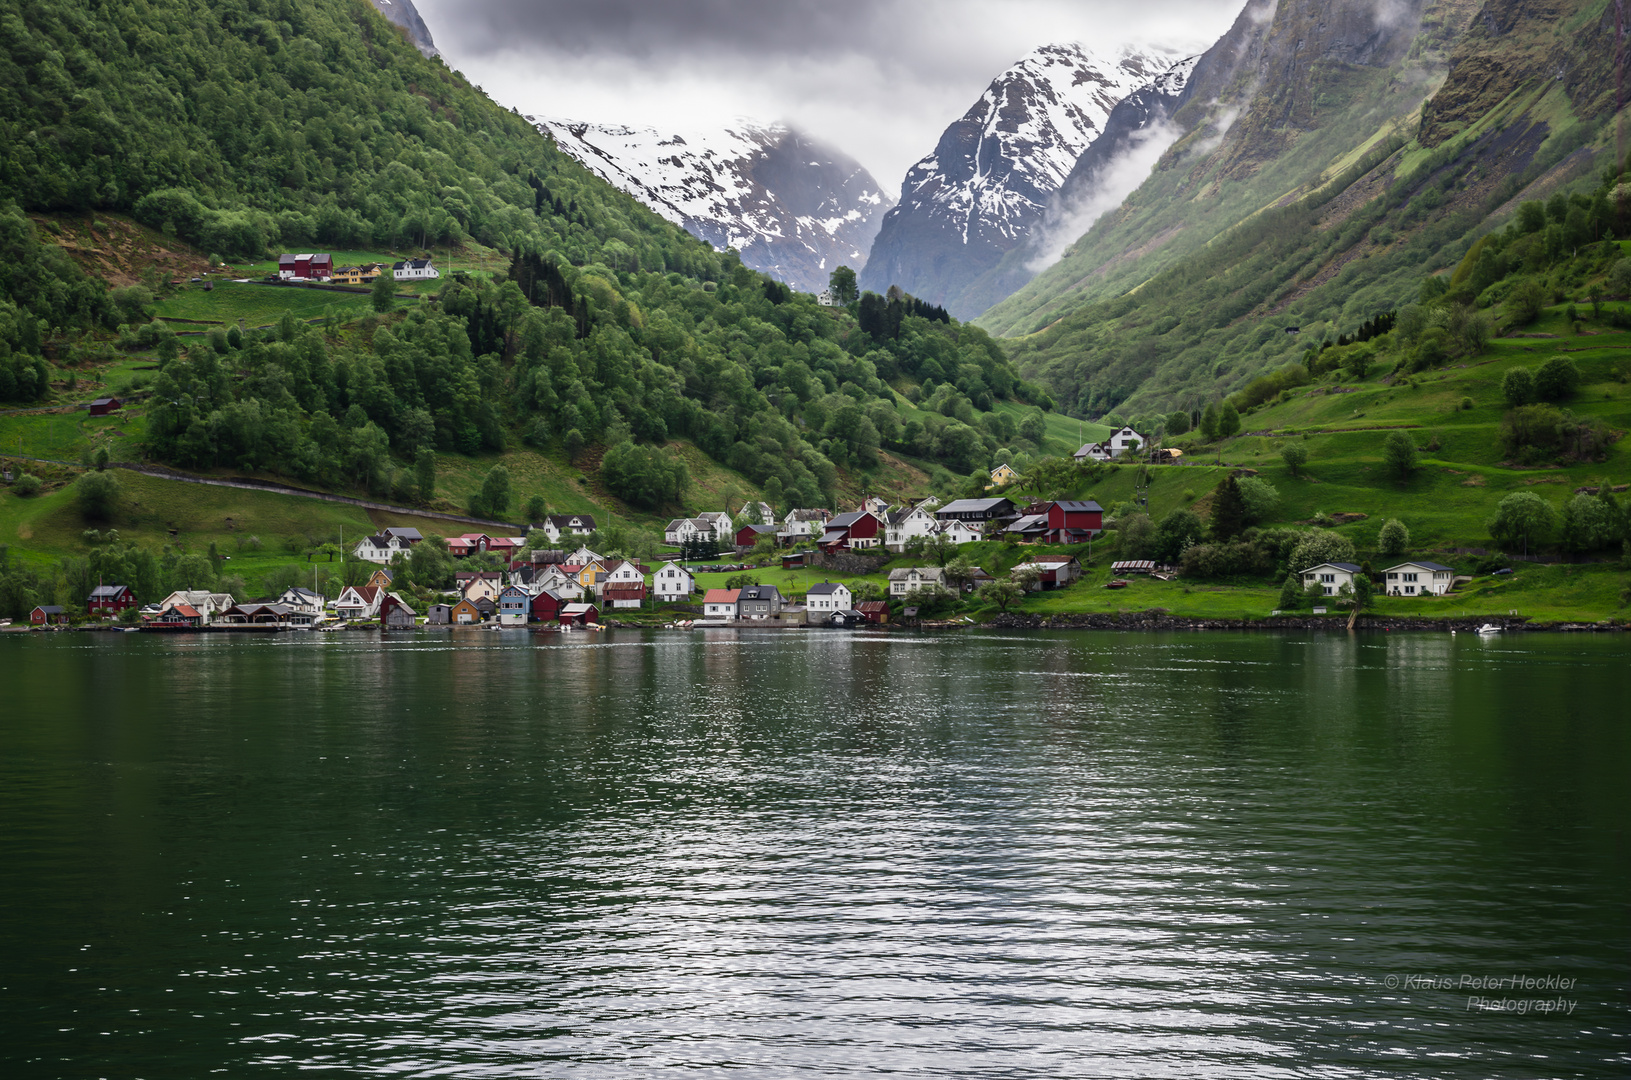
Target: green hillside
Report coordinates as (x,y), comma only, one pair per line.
(159,155)
(1328,200)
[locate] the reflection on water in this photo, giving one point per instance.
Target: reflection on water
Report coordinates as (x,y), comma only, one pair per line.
(836,854)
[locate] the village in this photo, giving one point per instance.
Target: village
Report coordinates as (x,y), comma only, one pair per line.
(541,581)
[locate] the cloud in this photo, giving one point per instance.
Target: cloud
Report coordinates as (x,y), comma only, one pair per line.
(1111,184)
(879,80)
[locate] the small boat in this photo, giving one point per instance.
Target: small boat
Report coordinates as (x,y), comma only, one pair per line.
(1488,629)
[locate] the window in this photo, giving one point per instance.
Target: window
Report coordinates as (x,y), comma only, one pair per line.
(1410,577)
(1328,578)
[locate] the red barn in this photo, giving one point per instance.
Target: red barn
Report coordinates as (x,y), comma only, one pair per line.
(1074,522)
(109,600)
(850,532)
(104,405)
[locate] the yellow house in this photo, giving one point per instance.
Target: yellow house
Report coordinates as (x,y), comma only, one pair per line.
(356,275)
(381,578)
(590,574)
(1003,475)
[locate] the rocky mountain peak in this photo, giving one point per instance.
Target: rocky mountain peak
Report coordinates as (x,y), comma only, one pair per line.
(993,172)
(405,15)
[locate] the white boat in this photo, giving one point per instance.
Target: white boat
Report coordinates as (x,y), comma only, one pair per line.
(1489,628)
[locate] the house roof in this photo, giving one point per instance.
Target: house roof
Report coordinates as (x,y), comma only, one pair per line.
(110,591)
(758,528)
(298,591)
(872,607)
(832,536)
(365,593)
(971,506)
(49,609)
(759,592)
(404,533)
(625,592)
(935,572)
(844,521)
(721,596)
(826,588)
(1080,507)
(186,611)
(807,515)
(577,609)
(1344,566)
(581,521)
(1439,567)
(1030,523)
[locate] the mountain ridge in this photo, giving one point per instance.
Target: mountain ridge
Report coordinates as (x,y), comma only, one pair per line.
(791,206)
(994,170)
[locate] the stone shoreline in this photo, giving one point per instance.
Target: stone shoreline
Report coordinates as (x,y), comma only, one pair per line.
(1160,620)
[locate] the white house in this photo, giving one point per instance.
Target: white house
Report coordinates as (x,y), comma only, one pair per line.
(556,526)
(302,600)
(959,532)
(1331,576)
(479,586)
(620,573)
(207,604)
(673,582)
(719,522)
(803,524)
(902,582)
(1095,451)
(557,581)
(720,603)
(1418,579)
(681,530)
(825,600)
(385,544)
(583,557)
(414,270)
(359,602)
(1124,440)
(758,512)
(902,525)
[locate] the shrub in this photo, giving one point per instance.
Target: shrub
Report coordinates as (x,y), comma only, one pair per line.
(1291,594)
(1399,452)
(1295,455)
(26,484)
(1526,302)
(1557,379)
(1394,539)
(1260,497)
(1518,387)
(98,495)
(1536,431)
(1466,404)
(1522,519)
(1320,547)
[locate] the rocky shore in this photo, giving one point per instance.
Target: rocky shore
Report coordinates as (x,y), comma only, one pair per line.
(1160,620)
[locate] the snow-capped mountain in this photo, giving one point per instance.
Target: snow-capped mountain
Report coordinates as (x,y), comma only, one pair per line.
(792,208)
(994,171)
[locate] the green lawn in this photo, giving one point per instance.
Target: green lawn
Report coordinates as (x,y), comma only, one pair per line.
(259,304)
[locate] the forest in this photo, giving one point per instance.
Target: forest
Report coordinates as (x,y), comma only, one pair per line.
(251,126)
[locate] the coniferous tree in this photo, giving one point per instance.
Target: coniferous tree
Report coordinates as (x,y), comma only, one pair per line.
(1228,510)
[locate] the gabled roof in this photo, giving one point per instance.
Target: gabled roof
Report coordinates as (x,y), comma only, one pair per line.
(186,611)
(404,533)
(844,521)
(111,592)
(49,609)
(1439,567)
(826,588)
(872,607)
(1344,566)
(756,527)
(759,592)
(1030,523)
(807,515)
(626,592)
(934,572)
(721,596)
(1079,507)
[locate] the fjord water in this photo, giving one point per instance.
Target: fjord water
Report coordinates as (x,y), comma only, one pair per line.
(822,854)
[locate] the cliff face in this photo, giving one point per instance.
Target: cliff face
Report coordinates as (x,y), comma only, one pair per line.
(1512,44)
(405,15)
(1292,89)
(993,172)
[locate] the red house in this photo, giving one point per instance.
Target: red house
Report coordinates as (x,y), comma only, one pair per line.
(546,606)
(104,405)
(109,600)
(47,613)
(578,615)
(850,532)
(1073,522)
(748,535)
(305,267)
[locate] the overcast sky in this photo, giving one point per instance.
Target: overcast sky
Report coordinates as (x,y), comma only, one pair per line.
(878,79)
